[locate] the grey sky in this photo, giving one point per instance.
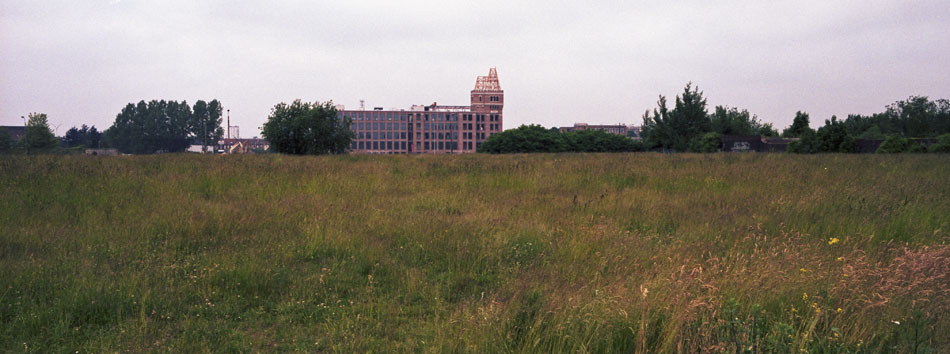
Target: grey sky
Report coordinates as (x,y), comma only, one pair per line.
(559,62)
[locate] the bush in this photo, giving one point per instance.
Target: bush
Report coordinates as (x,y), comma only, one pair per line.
(893,145)
(710,142)
(942,145)
(535,138)
(917,148)
(807,144)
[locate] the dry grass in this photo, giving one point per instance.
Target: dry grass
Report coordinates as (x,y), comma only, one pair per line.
(519,253)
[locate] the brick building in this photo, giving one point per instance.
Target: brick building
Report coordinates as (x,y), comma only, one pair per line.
(433,128)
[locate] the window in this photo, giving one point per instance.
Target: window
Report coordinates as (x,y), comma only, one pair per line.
(375,145)
(361,145)
(389,145)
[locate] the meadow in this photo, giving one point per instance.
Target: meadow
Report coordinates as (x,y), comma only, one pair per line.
(519,253)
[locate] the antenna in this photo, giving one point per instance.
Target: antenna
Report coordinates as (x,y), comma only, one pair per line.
(229,124)
(362,105)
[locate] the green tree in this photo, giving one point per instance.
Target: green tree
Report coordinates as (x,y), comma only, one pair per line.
(677,129)
(894,144)
(833,137)
(304,128)
(942,145)
(766,129)
(6,141)
(799,126)
(205,123)
(732,121)
(38,136)
(84,136)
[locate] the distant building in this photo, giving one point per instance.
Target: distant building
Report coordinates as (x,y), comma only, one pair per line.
(102,152)
(619,129)
(430,129)
(754,143)
(16,131)
(241,146)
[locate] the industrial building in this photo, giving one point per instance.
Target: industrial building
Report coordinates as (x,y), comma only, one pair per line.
(434,128)
(619,129)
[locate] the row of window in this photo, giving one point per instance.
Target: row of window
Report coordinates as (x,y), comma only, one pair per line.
(390,116)
(422,126)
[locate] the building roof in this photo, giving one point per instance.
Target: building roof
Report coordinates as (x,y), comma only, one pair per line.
(15,131)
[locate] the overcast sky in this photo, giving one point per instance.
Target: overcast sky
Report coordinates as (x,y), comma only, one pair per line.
(559,62)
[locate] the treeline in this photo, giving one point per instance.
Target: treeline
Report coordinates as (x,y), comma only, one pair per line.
(903,126)
(535,138)
(165,126)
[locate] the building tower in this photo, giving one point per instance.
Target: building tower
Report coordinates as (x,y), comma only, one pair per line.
(488,101)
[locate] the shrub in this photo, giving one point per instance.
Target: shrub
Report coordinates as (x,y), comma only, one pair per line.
(894,144)
(942,145)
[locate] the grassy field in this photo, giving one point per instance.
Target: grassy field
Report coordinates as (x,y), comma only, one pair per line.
(523,253)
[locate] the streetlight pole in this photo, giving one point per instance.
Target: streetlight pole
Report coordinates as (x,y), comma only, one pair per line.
(27,147)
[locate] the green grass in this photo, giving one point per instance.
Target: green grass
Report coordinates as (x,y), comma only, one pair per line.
(518,253)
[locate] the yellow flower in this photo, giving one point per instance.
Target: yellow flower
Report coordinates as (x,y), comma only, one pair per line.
(793,309)
(840,259)
(833,240)
(838,310)
(803,270)
(804,296)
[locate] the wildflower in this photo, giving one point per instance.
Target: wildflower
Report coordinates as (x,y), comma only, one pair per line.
(833,240)
(804,296)
(838,310)
(793,309)
(896,322)
(803,270)
(840,259)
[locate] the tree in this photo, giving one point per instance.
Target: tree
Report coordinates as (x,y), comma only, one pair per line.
(205,123)
(84,136)
(677,129)
(766,129)
(307,128)
(38,135)
(833,137)
(6,141)
(799,126)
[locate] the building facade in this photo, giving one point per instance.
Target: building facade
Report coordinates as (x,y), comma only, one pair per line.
(618,129)
(431,129)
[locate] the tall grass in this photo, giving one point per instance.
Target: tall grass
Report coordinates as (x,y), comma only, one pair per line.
(519,253)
